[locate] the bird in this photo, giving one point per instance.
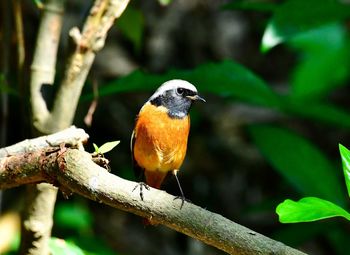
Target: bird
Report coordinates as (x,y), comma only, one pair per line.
(159,139)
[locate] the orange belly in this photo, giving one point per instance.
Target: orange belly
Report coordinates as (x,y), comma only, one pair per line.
(160,143)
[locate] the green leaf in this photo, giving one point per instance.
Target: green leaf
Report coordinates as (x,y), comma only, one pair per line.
(108,147)
(304,166)
(325,64)
(59,247)
(345,158)
(251,6)
(294,17)
(131,24)
(73,215)
(309,209)
(225,78)
(96,148)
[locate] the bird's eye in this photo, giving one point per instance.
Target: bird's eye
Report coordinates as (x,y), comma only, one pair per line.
(180,91)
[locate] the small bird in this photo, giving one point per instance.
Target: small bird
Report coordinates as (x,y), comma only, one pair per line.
(159,139)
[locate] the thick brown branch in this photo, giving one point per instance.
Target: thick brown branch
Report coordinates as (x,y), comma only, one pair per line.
(74,170)
(12,167)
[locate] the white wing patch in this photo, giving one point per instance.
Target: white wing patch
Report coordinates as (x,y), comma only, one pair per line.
(133,136)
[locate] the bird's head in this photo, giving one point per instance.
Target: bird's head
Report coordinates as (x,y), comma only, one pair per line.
(176,96)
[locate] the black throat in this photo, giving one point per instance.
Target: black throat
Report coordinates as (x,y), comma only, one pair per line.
(177,106)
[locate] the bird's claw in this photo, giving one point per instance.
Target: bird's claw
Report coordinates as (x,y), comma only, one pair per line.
(183,199)
(141,185)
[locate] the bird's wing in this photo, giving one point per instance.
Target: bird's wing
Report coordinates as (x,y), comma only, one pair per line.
(132,142)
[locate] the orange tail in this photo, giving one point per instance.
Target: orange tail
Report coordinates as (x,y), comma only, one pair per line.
(154,178)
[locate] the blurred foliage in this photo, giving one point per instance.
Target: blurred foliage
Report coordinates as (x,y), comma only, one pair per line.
(75,216)
(75,219)
(39,3)
(5,88)
(294,17)
(165,2)
(131,24)
(227,79)
(320,49)
(79,247)
(251,6)
(300,162)
(60,246)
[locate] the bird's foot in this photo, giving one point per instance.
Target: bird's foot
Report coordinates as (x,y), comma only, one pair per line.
(183,199)
(141,185)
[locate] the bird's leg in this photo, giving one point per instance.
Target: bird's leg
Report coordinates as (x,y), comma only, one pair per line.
(141,185)
(182,197)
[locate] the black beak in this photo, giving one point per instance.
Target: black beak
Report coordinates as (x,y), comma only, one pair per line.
(196,98)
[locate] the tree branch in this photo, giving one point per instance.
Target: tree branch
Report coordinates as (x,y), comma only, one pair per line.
(40,200)
(74,170)
(44,59)
(100,19)
(87,43)
(37,224)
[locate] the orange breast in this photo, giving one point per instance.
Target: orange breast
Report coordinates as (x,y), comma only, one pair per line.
(160,141)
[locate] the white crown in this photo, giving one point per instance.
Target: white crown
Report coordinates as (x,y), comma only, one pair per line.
(173,84)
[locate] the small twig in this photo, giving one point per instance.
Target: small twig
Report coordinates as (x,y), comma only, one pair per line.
(89,115)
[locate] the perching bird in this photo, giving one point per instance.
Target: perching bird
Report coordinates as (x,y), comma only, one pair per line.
(159,139)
